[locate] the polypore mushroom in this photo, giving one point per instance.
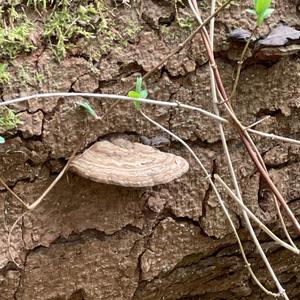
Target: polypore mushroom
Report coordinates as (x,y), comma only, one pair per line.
(280,36)
(124,163)
(239,35)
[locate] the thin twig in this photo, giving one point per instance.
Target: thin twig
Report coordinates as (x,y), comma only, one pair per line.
(9,237)
(227,154)
(147,101)
(274,136)
(54,182)
(37,202)
(283,223)
(258,122)
(13,193)
(244,136)
(294,249)
(240,63)
(258,161)
(114,97)
(274,196)
(238,126)
(208,177)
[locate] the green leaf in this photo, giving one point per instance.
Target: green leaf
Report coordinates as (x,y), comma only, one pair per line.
(259,20)
(2,140)
(144,94)
(267,13)
(138,93)
(262,10)
(134,94)
(262,5)
(138,84)
(251,11)
(88,108)
(137,104)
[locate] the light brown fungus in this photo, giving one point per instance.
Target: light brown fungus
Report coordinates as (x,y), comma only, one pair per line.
(124,163)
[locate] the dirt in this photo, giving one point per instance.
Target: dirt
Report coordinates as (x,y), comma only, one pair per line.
(94,241)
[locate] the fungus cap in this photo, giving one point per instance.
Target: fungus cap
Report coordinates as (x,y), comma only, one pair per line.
(239,35)
(124,163)
(280,36)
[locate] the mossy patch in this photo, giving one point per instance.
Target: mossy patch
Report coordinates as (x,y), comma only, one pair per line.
(4,74)
(184,17)
(29,77)
(62,25)
(15,31)
(8,119)
(69,22)
(117,34)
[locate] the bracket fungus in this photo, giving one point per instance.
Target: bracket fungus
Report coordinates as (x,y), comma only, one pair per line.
(281,41)
(121,162)
(280,36)
(239,35)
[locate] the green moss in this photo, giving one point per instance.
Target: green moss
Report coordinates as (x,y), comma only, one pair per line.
(43,5)
(66,25)
(28,76)
(111,32)
(131,29)
(87,21)
(59,30)
(186,22)
(184,18)
(4,75)
(8,119)
(38,4)
(16,40)
(15,33)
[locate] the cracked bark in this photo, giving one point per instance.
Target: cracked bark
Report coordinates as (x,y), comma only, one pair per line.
(98,240)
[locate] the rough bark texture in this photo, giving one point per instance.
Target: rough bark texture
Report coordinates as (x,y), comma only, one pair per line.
(94,241)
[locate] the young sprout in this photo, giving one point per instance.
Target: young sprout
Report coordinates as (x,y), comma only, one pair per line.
(2,140)
(262,10)
(88,108)
(138,93)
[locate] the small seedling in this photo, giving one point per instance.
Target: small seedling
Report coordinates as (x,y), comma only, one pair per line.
(88,108)
(262,10)
(2,140)
(139,93)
